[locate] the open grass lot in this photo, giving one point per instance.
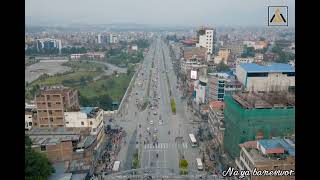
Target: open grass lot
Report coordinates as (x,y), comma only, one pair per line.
(83,64)
(113,86)
(60,78)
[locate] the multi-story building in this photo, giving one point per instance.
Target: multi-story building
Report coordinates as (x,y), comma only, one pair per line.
(216,123)
(73,145)
(194,53)
(87,117)
(48,43)
(236,49)
(200,90)
(223,56)
(221,84)
(113,38)
(51,104)
(206,38)
(250,115)
(270,155)
(99,38)
(273,77)
(244,60)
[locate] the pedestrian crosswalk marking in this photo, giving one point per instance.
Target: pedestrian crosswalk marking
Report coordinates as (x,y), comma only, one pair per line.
(165,145)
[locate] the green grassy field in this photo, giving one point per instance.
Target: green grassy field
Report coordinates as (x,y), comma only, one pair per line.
(114,86)
(83,64)
(71,76)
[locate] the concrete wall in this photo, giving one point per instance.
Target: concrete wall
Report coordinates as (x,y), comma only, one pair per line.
(274,81)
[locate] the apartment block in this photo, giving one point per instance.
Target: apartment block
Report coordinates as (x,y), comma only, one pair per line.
(51,104)
(269,155)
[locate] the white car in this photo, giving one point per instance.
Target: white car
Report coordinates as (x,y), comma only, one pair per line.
(160,123)
(155,113)
(151,122)
(148,129)
(155,130)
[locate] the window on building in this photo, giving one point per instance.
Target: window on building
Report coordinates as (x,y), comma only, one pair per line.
(50,112)
(35,124)
(58,103)
(67,122)
(257,74)
(30,123)
(43,147)
(49,104)
(90,122)
(48,97)
(289,73)
(51,119)
(220,91)
(82,123)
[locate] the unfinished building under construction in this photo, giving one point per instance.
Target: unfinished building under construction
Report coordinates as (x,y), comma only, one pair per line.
(250,116)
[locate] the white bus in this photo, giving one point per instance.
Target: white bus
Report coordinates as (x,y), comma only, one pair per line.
(199,164)
(116,166)
(193,140)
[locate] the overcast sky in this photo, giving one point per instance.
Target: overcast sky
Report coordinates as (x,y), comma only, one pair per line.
(154,12)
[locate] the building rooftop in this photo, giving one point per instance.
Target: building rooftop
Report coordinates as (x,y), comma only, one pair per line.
(52,139)
(216,104)
(275,67)
(55,131)
(270,144)
(90,111)
(265,100)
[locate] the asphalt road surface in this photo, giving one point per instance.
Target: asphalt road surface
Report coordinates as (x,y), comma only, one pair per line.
(157,146)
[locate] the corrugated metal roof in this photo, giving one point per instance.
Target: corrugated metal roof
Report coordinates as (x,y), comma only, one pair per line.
(277,143)
(275,67)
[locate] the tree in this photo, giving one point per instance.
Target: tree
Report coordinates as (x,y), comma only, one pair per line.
(248,52)
(183,164)
(37,165)
(221,67)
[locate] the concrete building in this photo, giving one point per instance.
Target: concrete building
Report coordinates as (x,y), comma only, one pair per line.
(114,39)
(51,104)
(99,39)
(244,60)
(267,154)
(194,53)
(206,38)
(221,84)
(134,47)
(223,55)
(200,90)
(236,49)
(28,117)
(273,77)
(48,43)
(250,116)
(216,123)
(76,147)
(258,57)
(91,117)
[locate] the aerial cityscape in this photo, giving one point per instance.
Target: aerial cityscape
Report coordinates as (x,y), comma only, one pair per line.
(137,99)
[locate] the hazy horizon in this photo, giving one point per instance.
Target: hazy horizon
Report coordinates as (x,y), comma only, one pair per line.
(152,12)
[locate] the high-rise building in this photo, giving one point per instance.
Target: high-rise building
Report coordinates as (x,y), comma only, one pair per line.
(99,39)
(221,84)
(51,104)
(48,43)
(206,38)
(250,116)
(113,38)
